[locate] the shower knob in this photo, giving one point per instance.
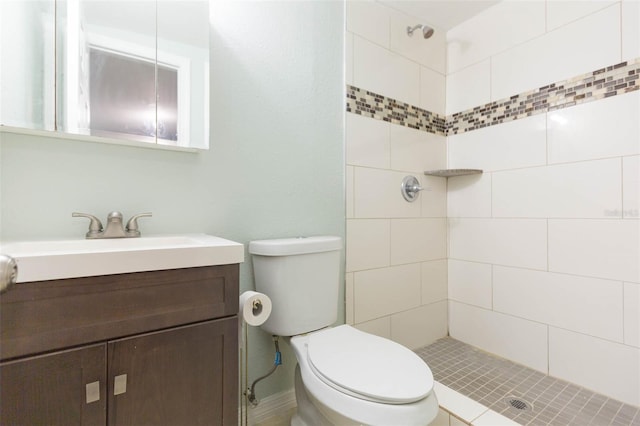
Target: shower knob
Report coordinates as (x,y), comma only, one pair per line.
(410,188)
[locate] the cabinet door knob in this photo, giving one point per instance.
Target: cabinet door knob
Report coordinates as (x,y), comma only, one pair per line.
(8,272)
(120,384)
(92,392)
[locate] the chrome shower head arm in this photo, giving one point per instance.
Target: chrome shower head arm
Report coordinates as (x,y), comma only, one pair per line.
(427,31)
(410,30)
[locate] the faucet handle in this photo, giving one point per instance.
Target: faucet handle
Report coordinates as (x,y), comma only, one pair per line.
(95,226)
(132,224)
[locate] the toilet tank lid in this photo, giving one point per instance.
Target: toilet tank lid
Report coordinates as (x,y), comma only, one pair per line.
(293,246)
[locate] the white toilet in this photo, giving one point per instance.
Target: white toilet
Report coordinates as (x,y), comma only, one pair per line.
(344,376)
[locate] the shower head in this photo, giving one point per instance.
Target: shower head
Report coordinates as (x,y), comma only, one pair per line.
(427,31)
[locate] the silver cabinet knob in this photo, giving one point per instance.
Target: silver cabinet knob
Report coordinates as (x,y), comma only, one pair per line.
(8,272)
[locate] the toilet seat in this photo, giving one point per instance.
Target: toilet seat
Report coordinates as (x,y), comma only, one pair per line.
(360,410)
(368,367)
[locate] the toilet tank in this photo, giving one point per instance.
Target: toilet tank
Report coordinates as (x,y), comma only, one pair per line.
(301,276)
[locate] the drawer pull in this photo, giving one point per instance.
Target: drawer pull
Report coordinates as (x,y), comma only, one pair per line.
(120,384)
(92,392)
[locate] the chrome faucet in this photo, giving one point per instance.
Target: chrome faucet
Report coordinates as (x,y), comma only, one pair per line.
(114,228)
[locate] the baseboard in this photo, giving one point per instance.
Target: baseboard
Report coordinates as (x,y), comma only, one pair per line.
(272,405)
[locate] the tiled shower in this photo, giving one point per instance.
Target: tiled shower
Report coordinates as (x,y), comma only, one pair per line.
(536,260)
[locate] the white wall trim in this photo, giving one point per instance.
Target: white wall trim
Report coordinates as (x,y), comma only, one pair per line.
(272,405)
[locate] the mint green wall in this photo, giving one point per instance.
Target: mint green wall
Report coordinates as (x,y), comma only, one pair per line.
(275,167)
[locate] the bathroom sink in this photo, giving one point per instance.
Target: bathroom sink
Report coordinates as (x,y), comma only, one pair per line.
(48,260)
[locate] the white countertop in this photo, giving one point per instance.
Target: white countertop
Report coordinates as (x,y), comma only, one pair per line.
(49,260)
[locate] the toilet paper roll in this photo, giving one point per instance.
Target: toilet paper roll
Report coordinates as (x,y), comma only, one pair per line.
(255,307)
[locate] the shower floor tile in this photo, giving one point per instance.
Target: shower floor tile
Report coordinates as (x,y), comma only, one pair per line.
(520,393)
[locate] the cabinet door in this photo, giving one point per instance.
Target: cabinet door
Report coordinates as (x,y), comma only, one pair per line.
(64,388)
(181,376)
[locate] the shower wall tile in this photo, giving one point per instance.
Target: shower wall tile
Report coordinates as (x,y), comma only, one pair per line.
(418,240)
(348,58)
(394,127)
(386,291)
(379,327)
(509,242)
(562,12)
(415,150)
(631,187)
(367,244)
(548,234)
(542,60)
(630,29)
(349,211)
(377,195)
(420,326)
(469,196)
(434,281)
(604,366)
(590,189)
(434,197)
(519,143)
(598,248)
(433,91)
(369,20)
(489,32)
(395,76)
(632,314)
(469,87)
(547,238)
(565,301)
(430,53)
(349,298)
(367,142)
(471,283)
(578,133)
(513,338)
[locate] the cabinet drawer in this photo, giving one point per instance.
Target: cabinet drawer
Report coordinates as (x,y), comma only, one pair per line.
(47,315)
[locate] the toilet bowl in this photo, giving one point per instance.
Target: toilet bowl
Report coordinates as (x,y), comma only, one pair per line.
(344,376)
(348,377)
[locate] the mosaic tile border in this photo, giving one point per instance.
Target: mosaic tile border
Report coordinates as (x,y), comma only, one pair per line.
(603,83)
(373,105)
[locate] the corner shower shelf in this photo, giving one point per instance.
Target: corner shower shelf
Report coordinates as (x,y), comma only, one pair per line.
(452,172)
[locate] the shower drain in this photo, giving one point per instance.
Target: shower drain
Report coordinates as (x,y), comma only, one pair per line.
(517,403)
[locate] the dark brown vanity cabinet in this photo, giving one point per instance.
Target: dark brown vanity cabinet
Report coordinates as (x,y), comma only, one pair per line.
(150,348)
(51,389)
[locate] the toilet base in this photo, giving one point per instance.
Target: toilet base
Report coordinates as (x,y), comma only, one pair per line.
(307,412)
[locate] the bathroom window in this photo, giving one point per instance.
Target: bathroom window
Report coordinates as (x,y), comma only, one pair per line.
(122,96)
